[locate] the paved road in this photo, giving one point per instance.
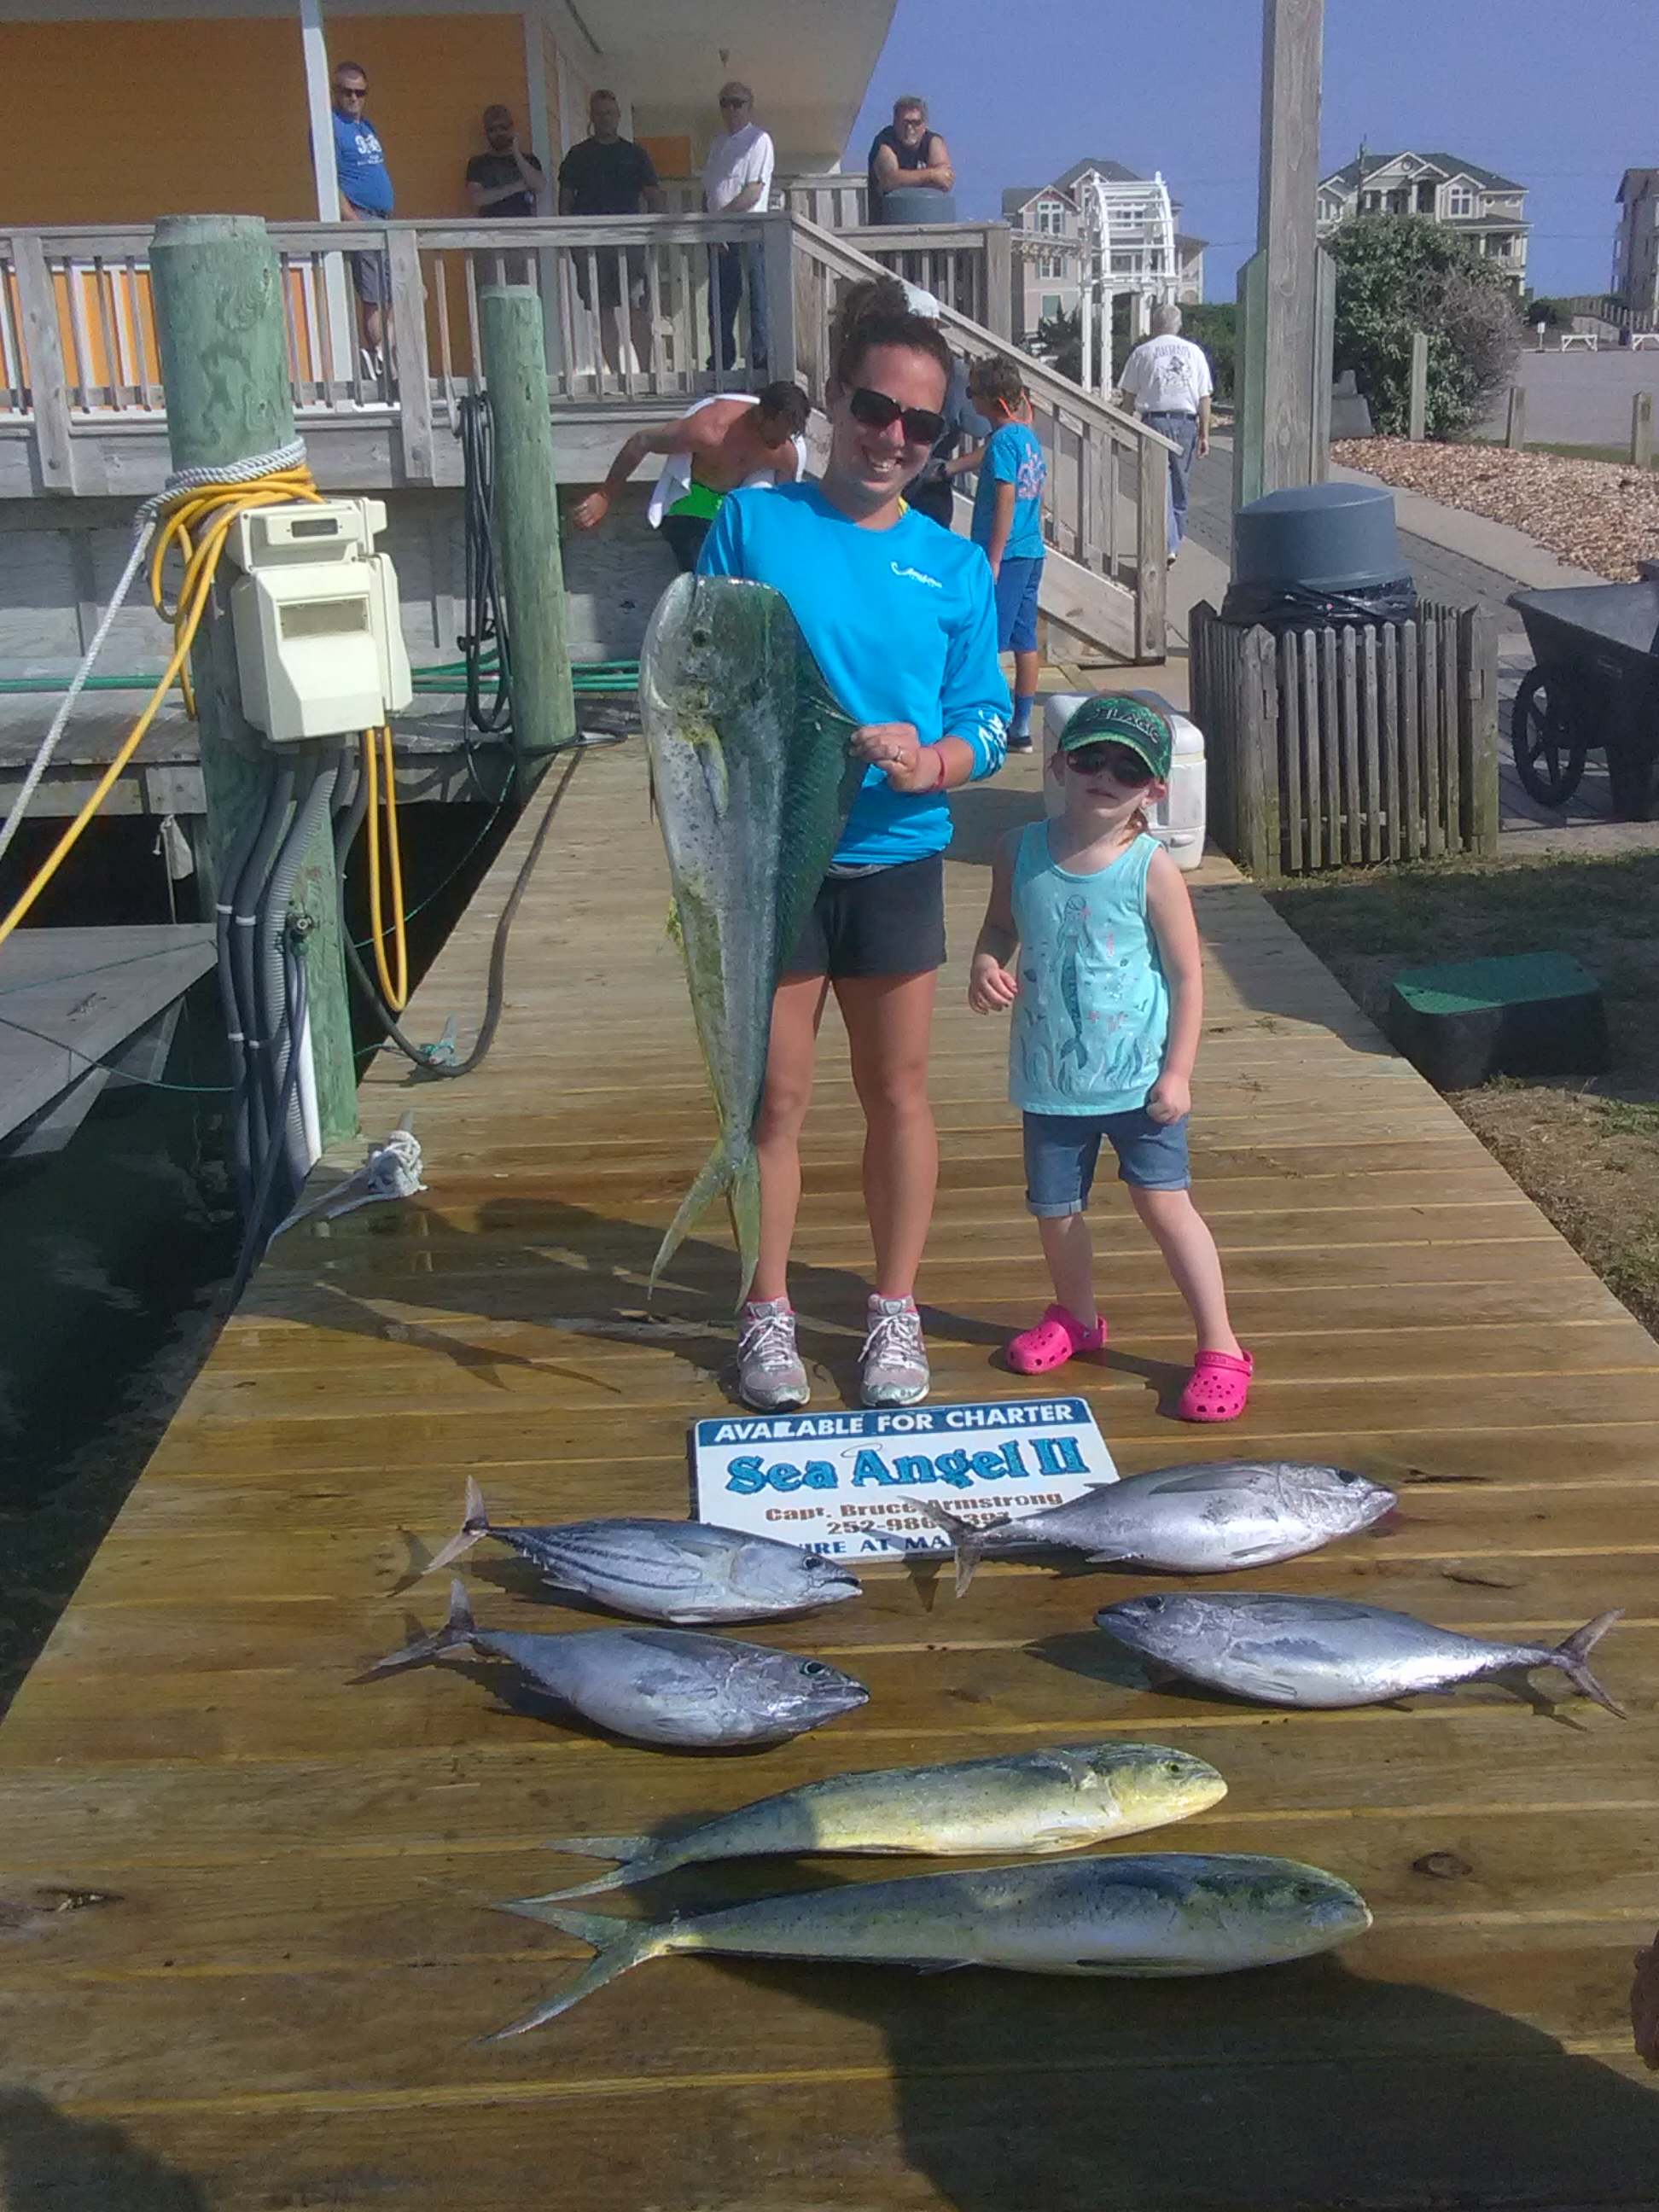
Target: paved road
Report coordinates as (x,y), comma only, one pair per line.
(1579,399)
(1440,575)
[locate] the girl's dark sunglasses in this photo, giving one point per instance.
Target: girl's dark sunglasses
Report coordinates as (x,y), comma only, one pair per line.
(878,412)
(1116,760)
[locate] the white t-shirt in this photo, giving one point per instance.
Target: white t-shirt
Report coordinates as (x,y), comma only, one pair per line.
(737,158)
(1168,376)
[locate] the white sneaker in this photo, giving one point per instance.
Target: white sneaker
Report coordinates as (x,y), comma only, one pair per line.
(770,1375)
(894,1358)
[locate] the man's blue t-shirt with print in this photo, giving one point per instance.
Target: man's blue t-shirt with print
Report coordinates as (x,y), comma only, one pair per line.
(903,625)
(360,165)
(1015,456)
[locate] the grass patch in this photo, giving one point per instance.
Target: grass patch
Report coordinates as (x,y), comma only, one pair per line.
(1588,1153)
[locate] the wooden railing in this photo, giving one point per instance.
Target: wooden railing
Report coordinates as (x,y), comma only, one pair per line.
(628,306)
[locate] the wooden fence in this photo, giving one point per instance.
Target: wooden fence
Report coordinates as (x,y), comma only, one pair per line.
(1338,748)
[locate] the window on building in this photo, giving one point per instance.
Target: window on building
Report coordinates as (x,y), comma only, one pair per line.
(1460,200)
(1400,203)
(1051,265)
(1425,198)
(1050,305)
(1370,202)
(1050,217)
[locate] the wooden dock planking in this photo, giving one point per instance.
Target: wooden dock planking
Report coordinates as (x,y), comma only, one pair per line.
(277,2005)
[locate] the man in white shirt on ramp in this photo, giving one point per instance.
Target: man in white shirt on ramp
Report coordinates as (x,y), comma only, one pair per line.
(736,178)
(1169,379)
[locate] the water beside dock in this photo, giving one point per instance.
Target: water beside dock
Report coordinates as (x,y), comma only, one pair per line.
(244,1947)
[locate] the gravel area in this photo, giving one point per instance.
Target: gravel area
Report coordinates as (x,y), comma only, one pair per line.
(1600,515)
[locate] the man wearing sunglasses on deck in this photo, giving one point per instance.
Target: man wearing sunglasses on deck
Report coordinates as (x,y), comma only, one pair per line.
(900,615)
(737,180)
(364,187)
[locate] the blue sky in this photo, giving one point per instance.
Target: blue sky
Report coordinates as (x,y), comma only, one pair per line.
(1561,94)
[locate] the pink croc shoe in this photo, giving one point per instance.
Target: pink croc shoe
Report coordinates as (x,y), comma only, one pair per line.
(1218,1388)
(1058,1337)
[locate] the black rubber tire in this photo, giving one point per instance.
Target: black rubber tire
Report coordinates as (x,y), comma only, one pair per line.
(1549,755)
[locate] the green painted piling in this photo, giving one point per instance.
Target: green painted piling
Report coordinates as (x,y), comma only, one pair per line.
(527,503)
(216,285)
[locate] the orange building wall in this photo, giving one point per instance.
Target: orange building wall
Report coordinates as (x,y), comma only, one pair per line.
(122,122)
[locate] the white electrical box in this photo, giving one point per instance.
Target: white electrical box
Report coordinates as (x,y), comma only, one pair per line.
(1177,821)
(319,640)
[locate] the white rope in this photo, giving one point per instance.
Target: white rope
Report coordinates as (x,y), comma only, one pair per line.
(183,480)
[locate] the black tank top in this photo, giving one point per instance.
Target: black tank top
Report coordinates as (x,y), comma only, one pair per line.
(919,156)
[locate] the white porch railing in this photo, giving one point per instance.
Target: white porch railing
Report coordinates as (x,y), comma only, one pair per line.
(629,305)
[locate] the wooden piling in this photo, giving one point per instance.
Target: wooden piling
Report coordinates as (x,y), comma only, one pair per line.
(528,527)
(1515,430)
(1418,402)
(1641,429)
(219,320)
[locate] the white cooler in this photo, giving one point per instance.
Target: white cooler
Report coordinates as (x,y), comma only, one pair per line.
(1177,821)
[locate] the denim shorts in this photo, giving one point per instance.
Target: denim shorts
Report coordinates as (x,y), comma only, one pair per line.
(1016,586)
(1062,1149)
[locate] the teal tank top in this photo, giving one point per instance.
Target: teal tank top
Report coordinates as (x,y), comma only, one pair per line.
(1092,1017)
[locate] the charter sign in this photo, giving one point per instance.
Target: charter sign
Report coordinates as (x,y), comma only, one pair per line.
(848,1483)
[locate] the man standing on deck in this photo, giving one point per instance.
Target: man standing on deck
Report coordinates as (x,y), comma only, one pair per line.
(1169,379)
(609,174)
(737,179)
(505,181)
(365,184)
(716,447)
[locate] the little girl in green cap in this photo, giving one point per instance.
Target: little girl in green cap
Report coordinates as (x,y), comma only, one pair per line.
(1089,938)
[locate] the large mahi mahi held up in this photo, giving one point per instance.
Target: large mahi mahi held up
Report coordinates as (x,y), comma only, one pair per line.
(753,782)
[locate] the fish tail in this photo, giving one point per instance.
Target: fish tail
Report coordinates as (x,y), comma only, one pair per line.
(732,1166)
(1571,1655)
(638,1854)
(967,1538)
(461,1628)
(475,1523)
(620,1944)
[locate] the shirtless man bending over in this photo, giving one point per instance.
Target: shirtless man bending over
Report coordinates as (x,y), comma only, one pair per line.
(716,447)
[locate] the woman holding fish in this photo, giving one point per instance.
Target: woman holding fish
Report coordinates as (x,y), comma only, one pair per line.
(901,617)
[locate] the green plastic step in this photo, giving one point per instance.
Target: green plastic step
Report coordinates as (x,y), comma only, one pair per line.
(1466,986)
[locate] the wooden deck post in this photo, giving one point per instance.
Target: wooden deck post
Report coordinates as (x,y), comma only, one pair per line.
(999,279)
(1418,404)
(1641,429)
(48,377)
(527,526)
(1514,429)
(224,339)
(1280,357)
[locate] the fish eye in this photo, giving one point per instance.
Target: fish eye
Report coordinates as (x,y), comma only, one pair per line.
(813,1667)
(700,637)
(1343,1475)
(1170,1765)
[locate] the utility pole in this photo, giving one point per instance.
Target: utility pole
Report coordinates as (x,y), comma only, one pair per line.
(1286,290)
(527,503)
(223,338)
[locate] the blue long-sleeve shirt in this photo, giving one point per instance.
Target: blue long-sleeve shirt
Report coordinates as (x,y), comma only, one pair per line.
(902,622)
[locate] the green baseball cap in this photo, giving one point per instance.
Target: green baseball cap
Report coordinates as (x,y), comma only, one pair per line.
(1114,718)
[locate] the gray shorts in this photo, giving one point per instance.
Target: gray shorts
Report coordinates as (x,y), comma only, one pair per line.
(1062,1150)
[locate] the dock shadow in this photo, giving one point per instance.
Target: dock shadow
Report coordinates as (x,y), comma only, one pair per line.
(1307,2086)
(590,1273)
(50,2163)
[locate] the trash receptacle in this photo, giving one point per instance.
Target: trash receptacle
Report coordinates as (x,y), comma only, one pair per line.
(1318,554)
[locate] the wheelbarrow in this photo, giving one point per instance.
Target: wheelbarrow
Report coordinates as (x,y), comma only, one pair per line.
(1594,681)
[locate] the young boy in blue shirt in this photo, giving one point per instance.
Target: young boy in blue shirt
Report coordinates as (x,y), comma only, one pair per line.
(1008,524)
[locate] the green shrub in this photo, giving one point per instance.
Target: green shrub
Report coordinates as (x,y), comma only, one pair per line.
(1214,326)
(1396,275)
